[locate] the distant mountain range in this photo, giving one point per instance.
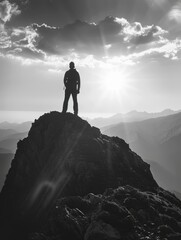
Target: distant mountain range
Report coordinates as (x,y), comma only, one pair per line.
(129,117)
(18,127)
(10,134)
(158,141)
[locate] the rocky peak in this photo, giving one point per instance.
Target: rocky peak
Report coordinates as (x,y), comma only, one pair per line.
(64,156)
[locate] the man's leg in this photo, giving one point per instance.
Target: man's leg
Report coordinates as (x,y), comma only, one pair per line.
(65,103)
(75,105)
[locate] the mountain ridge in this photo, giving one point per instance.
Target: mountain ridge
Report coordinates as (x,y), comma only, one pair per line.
(61,161)
(154,139)
(132,116)
(18,127)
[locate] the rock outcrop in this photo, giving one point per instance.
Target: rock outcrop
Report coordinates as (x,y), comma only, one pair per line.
(123,213)
(63,156)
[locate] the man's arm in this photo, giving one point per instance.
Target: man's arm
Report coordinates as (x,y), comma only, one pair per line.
(78,82)
(65,79)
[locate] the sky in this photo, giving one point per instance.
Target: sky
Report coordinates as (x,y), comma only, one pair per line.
(127,52)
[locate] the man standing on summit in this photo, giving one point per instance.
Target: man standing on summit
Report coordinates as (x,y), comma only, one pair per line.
(72,87)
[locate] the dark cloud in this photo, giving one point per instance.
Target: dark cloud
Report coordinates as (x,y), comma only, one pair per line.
(51,12)
(79,36)
(113,36)
(55,30)
(61,12)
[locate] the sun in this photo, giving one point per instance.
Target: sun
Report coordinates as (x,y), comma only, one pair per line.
(115,83)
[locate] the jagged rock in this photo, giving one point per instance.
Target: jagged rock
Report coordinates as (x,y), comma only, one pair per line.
(110,218)
(64,156)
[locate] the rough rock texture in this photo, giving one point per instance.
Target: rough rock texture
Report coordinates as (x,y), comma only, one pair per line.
(125,213)
(64,156)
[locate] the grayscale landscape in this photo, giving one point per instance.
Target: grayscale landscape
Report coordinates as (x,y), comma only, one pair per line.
(90,120)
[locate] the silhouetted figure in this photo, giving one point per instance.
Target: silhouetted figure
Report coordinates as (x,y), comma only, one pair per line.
(72,85)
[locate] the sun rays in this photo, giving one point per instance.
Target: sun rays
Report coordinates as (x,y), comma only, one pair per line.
(116,85)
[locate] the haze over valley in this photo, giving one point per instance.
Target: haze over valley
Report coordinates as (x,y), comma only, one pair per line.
(157,140)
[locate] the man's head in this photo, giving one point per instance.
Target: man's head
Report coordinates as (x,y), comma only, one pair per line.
(71,65)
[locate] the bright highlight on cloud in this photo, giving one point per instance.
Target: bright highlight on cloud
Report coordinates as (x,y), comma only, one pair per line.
(7,10)
(175,13)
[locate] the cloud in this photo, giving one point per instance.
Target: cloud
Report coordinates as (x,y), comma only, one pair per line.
(136,34)
(5,41)
(20,42)
(168,50)
(111,34)
(7,10)
(175,13)
(110,38)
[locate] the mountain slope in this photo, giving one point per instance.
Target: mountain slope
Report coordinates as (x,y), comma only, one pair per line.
(5,163)
(10,142)
(8,146)
(5,133)
(62,160)
(164,177)
(4,150)
(157,140)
